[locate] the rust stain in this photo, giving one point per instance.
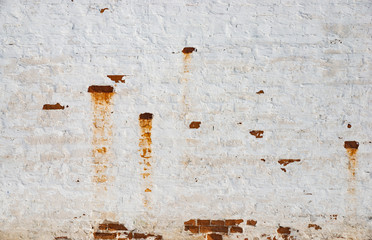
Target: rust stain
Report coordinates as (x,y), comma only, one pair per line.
(187,57)
(117,78)
(285,162)
(260,92)
(102,129)
(195,124)
(316,227)
(352,149)
(252,222)
(257,133)
(56,106)
(349,125)
(103,9)
(145,122)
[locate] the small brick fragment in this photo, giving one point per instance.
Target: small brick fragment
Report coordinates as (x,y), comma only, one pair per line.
(195,124)
(232,222)
(191,222)
(217,222)
(116,226)
(100,89)
(215,229)
(201,222)
(193,229)
(251,222)
(214,236)
(351,144)
(98,235)
(260,92)
(146,116)
(56,106)
(188,50)
(236,229)
(257,133)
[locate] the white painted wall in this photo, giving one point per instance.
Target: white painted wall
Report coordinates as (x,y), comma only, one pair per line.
(311,58)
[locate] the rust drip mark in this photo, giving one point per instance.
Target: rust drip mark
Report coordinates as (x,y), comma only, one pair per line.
(285,162)
(112,230)
(260,92)
(316,227)
(349,125)
(195,125)
(103,9)
(257,133)
(117,78)
(145,122)
(56,106)
(187,57)
(102,129)
(352,149)
(251,222)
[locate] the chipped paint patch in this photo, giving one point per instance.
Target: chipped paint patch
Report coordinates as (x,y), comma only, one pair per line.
(285,162)
(257,133)
(116,230)
(195,125)
(56,106)
(316,227)
(103,9)
(117,78)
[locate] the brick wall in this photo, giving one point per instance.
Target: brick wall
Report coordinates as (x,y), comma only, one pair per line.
(160,115)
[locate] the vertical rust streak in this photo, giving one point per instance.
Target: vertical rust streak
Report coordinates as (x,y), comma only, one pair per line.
(102,130)
(145,122)
(352,149)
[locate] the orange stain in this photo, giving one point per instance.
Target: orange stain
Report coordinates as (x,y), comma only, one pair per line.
(352,149)
(102,129)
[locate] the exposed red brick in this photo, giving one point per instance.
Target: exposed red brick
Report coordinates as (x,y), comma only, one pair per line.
(214,236)
(203,222)
(257,133)
(218,222)
(236,229)
(102,10)
(351,144)
(251,222)
(232,222)
(103,226)
(317,227)
(284,230)
(193,229)
(195,124)
(116,226)
(214,229)
(116,78)
(100,89)
(188,50)
(146,116)
(285,162)
(56,106)
(191,222)
(98,235)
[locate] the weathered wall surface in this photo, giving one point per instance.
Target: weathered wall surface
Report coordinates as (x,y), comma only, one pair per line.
(185,120)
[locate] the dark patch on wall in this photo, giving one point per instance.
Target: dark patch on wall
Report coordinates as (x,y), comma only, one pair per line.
(103,9)
(316,227)
(146,116)
(115,230)
(117,78)
(188,50)
(62,238)
(251,222)
(260,92)
(349,125)
(56,106)
(283,169)
(195,124)
(285,232)
(351,144)
(257,133)
(100,89)
(285,162)
(263,160)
